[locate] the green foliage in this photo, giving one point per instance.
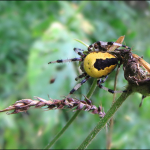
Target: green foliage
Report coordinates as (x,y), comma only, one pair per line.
(34,33)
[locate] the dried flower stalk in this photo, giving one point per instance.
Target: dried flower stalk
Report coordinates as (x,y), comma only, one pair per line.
(66,103)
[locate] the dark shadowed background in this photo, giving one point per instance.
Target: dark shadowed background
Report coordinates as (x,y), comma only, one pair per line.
(34,33)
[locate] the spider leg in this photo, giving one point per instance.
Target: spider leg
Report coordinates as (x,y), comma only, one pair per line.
(118,44)
(79,85)
(101,43)
(78,51)
(102,46)
(143,96)
(65,60)
(80,76)
(106,89)
(102,81)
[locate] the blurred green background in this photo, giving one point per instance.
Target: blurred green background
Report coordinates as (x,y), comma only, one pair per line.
(34,33)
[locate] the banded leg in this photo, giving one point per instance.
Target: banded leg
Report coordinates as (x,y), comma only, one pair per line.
(78,51)
(118,44)
(79,85)
(80,76)
(102,46)
(143,96)
(102,81)
(66,60)
(106,89)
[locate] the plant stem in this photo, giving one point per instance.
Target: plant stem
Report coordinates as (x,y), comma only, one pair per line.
(104,120)
(110,130)
(92,89)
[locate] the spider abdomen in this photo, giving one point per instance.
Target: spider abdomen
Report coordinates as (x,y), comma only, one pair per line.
(99,64)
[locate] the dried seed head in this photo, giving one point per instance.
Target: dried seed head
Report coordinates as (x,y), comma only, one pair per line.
(99,108)
(67,103)
(70,99)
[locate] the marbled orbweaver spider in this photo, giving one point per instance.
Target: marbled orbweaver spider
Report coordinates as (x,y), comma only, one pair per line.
(96,62)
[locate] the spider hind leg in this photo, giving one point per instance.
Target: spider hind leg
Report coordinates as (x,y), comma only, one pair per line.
(106,89)
(143,96)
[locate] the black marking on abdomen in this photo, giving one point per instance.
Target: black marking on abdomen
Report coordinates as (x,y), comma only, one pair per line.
(101,64)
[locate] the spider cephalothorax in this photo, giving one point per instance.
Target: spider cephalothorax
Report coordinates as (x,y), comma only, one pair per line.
(97,62)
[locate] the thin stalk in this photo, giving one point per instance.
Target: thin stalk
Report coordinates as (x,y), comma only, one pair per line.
(92,89)
(106,118)
(110,131)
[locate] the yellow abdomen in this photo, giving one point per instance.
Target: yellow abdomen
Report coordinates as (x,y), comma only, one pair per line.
(99,64)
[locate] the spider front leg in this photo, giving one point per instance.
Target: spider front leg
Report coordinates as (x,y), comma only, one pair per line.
(78,51)
(106,89)
(79,85)
(65,60)
(103,46)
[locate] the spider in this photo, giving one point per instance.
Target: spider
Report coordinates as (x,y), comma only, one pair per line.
(96,62)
